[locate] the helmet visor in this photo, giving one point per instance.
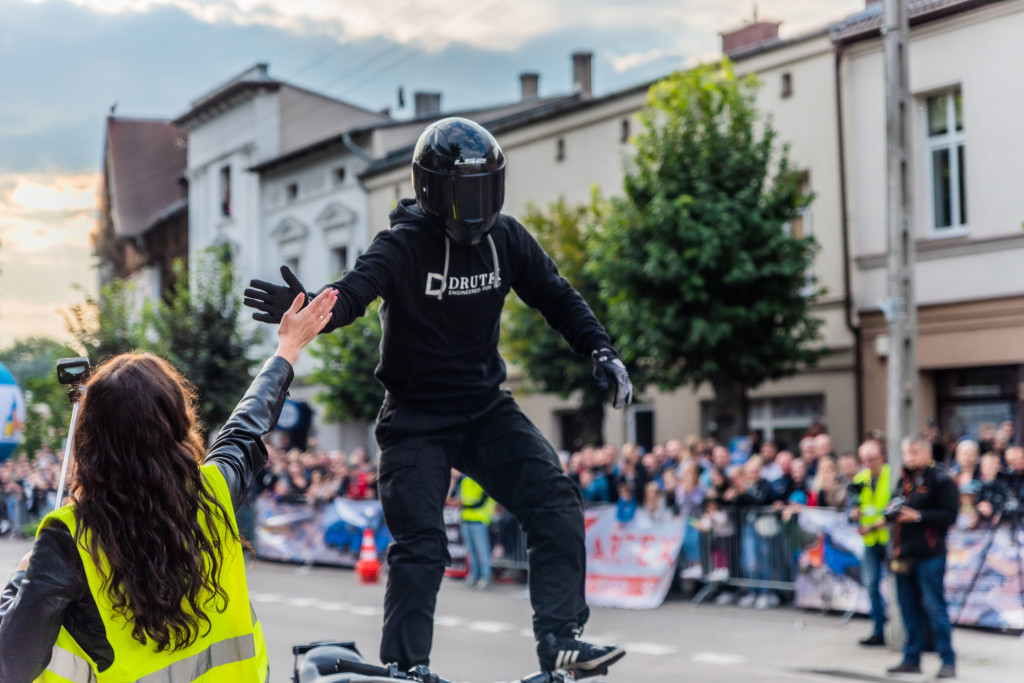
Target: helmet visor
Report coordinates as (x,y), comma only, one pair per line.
(476,198)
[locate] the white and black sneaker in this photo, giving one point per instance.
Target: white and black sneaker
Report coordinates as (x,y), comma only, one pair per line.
(571,654)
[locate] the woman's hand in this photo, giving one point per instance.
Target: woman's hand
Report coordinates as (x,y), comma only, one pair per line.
(299,326)
(23,565)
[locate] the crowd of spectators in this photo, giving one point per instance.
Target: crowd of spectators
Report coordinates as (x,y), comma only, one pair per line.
(29,489)
(682,476)
(28,484)
(708,487)
(317,476)
(692,478)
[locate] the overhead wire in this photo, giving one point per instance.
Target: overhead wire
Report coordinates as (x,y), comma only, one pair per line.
(302,110)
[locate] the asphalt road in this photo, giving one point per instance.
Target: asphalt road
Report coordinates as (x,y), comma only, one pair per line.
(485,636)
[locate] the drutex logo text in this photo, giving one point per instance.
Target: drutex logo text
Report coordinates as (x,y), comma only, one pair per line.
(458,286)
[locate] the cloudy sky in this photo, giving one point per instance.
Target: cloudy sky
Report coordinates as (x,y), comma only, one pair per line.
(63,63)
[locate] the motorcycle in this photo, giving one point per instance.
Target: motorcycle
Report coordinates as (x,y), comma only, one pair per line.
(332,661)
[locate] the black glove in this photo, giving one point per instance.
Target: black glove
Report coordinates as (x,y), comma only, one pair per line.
(274,300)
(607,363)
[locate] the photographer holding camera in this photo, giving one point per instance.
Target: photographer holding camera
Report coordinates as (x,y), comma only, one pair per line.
(872,487)
(921,515)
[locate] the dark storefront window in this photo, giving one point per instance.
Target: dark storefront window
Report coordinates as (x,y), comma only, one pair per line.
(969,398)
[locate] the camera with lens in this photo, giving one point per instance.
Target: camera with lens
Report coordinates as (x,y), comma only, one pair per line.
(73,370)
(893,508)
(855,487)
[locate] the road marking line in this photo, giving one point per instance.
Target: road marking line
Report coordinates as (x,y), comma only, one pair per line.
(365,611)
(334,606)
(490,626)
(722,658)
(650,648)
(300,602)
(655,649)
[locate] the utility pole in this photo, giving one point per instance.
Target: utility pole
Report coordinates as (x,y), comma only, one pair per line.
(901,307)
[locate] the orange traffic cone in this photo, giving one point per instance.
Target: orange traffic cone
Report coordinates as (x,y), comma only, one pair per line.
(368,566)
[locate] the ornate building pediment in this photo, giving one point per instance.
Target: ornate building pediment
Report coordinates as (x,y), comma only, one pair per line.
(336,215)
(289,230)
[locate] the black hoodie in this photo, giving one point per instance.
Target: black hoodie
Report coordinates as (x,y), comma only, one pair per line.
(442,307)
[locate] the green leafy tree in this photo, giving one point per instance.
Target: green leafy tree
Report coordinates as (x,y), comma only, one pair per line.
(198,330)
(33,362)
(531,344)
(703,278)
(348,357)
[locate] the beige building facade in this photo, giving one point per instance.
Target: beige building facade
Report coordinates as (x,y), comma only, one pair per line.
(967,210)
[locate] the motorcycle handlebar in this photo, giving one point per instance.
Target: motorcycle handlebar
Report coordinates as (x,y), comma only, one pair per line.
(363,669)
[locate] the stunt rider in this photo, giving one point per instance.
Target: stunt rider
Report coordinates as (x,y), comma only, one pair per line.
(443,271)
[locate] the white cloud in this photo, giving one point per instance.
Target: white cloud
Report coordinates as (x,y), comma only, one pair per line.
(622,63)
(492,24)
(435,23)
(45,221)
(40,211)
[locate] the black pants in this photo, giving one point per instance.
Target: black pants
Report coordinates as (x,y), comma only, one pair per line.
(508,456)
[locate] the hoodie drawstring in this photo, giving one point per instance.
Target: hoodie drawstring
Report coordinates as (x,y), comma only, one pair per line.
(494,255)
(444,276)
(447,259)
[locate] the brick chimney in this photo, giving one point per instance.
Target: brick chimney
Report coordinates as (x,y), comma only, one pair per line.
(749,35)
(581,82)
(528,84)
(427,103)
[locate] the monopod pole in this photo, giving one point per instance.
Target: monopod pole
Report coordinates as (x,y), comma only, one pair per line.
(77,392)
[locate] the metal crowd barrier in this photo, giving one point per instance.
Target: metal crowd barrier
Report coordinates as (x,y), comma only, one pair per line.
(506,535)
(753,549)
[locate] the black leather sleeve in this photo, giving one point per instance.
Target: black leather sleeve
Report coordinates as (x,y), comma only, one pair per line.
(238,451)
(34,604)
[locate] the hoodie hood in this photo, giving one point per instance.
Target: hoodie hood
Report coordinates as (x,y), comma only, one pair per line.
(408,212)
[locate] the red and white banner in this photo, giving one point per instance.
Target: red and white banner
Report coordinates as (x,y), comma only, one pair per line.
(630,564)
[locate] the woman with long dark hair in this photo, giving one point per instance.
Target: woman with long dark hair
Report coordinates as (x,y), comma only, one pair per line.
(141,575)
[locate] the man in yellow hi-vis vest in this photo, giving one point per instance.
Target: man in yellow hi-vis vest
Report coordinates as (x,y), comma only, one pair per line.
(141,577)
(874,483)
(477,512)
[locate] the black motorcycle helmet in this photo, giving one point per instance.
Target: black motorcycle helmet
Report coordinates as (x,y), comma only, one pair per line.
(458,171)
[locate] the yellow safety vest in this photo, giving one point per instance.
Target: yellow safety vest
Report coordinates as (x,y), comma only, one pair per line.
(233,650)
(872,503)
(471,494)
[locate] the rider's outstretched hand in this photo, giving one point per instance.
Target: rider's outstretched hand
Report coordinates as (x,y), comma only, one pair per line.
(301,324)
(270,300)
(607,364)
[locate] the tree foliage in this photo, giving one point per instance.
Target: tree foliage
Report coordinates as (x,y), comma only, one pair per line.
(197,329)
(33,362)
(348,357)
(530,343)
(702,276)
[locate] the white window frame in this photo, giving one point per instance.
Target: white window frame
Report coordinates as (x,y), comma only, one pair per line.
(951,140)
(768,421)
